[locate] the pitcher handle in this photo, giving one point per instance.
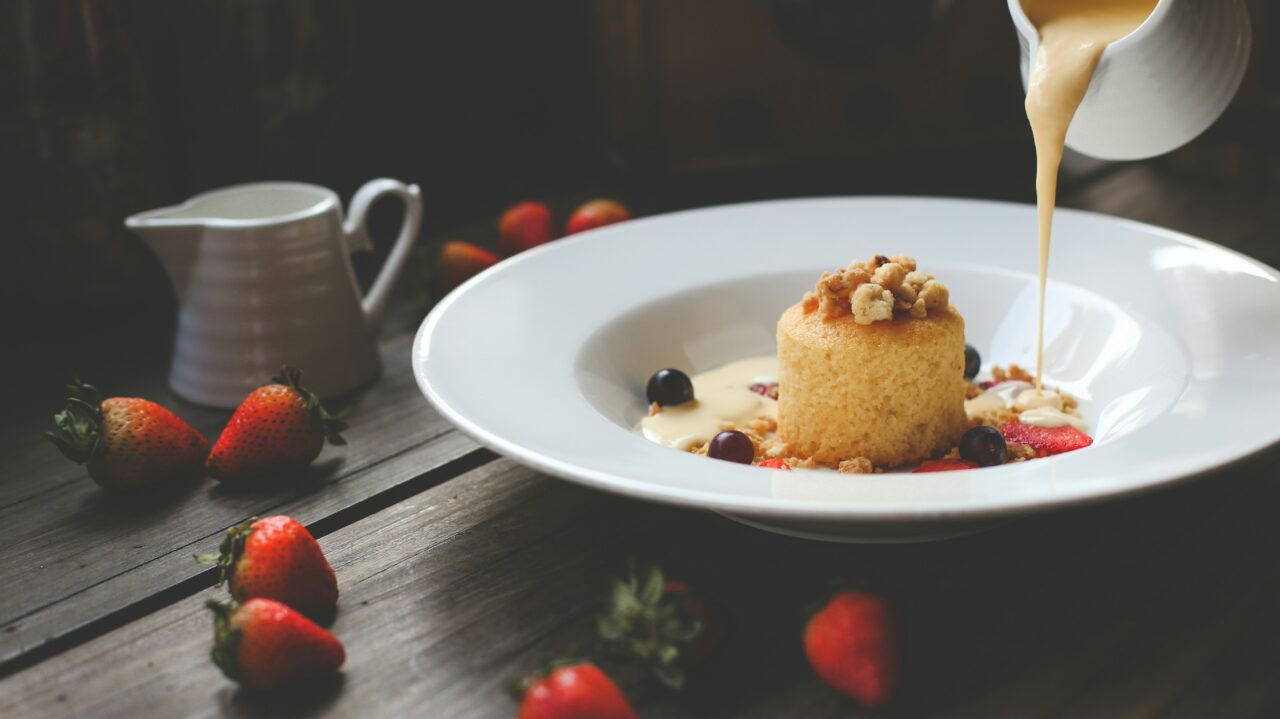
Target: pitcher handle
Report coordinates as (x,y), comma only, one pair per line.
(357,237)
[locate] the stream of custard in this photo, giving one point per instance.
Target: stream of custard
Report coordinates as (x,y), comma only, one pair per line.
(1073,34)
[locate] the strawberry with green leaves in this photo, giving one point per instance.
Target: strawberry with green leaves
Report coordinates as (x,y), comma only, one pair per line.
(128,443)
(265,644)
(276,558)
(663,624)
(573,690)
(278,428)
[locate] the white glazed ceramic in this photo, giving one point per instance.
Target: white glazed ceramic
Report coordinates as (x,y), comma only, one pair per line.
(1171,343)
(1159,87)
(263,277)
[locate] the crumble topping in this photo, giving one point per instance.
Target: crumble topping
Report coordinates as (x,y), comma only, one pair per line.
(857,465)
(802,462)
(876,290)
(1013,374)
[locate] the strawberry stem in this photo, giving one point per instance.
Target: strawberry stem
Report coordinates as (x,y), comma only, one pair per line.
(230,550)
(330,424)
(647,624)
(225,639)
(77,432)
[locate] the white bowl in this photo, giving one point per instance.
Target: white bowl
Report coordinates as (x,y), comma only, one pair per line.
(1171,344)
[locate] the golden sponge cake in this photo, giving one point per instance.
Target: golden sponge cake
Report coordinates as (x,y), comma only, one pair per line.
(891,391)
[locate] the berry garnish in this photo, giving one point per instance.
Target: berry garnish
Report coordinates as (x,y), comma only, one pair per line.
(765,389)
(972,362)
(732,446)
(944,465)
(775,463)
(1046,440)
(669,387)
(984,445)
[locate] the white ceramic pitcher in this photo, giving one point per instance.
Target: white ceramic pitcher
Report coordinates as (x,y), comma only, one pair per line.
(263,277)
(1160,86)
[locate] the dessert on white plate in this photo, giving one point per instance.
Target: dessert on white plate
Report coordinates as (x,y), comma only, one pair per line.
(1169,348)
(872,374)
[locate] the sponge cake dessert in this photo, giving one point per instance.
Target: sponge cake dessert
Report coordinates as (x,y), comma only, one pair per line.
(871,365)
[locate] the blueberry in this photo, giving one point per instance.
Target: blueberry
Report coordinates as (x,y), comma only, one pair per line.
(669,387)
(984,445)
(732,446)
(972,362)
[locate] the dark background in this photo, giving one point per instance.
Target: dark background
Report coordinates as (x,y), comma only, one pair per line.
(112,107)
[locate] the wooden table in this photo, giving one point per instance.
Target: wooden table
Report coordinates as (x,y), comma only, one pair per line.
(458,569)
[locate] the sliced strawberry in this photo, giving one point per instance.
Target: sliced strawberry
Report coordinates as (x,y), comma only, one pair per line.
(945,465)
(1046,440)
(774,464)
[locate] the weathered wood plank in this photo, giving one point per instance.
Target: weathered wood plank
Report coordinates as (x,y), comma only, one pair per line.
(73,555)
(450,591)
(1141,608)
(1142,192)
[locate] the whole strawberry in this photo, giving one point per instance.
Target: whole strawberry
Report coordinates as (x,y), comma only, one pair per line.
(662,624)
(279,427)
(457,263)
(576,691)
(265,644)
(277,558)
(524,226)
(596,213)
(849,644)
(128,443)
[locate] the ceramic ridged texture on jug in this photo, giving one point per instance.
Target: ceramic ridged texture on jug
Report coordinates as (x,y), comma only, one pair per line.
(1161,86)
(264,298)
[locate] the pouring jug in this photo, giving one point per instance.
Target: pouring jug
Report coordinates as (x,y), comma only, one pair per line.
(1160,86)
(263,277)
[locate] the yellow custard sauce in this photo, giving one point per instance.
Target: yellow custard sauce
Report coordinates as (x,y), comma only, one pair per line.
(1073,34)
(722,395)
